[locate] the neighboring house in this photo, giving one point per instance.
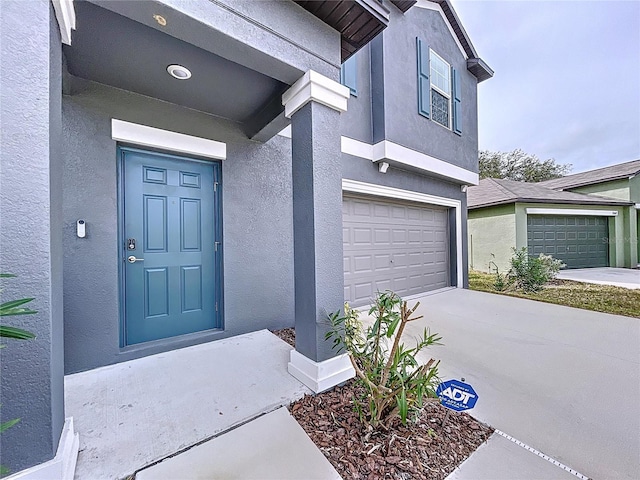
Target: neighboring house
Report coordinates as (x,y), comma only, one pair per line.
(621,181)
(150,203)
(581,230)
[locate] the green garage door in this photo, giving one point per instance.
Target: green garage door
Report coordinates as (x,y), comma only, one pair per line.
(579,241)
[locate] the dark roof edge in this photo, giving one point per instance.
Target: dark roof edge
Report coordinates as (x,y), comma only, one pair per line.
(404,5)
(475,64)
(480,69)
(593,182)
(605,202)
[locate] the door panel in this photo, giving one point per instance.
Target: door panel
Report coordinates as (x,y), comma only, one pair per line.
(170,208)
(396,246)
(579,241)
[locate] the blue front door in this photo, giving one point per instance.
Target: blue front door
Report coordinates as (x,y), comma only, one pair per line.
(170,245)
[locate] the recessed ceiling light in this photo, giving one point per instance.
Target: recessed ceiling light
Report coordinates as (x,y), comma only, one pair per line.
(179,72)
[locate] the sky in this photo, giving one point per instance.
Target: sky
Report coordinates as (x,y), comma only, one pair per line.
(567,78)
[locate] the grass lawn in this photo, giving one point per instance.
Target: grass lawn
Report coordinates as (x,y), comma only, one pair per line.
(600,298)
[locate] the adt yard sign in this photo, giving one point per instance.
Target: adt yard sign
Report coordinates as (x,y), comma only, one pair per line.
(456,395)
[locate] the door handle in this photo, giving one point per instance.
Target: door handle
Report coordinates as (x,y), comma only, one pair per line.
(133,259)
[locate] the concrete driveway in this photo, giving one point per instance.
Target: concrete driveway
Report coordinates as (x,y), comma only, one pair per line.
(618,277)
(562,380)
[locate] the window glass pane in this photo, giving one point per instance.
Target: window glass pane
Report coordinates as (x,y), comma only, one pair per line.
(439,108)
(440,74)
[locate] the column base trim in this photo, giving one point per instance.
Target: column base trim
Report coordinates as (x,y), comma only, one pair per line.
(63,465)
(320,376)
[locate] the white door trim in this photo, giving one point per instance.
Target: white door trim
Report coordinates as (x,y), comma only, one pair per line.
(355,186)
(164,139)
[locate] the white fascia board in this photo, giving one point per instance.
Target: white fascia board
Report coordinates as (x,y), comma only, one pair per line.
(315,87)
(355,186)
(395,154)
(164,139)
(571,211)
(356,148)
(637,206)
(66,17)
(400,155)
(428,5)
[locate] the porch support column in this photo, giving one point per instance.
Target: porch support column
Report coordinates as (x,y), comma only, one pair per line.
(314,104)
(42,444)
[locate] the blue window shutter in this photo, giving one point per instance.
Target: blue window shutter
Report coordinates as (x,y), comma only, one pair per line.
(457,111)
(424,87)
(348,75)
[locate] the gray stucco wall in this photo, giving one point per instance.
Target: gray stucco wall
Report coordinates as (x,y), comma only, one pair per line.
(30,240)
(402,123)
(257,225)
(356,121)
(364,170)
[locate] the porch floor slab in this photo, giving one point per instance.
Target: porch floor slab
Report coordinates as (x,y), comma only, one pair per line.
(132,414)
(271,447)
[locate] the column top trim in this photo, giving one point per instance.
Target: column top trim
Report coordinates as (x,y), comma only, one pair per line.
(315,87)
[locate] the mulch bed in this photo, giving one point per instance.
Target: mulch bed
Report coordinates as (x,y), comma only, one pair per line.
(421,450)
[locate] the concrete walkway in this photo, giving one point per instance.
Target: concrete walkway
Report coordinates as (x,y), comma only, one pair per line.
(617,277)
(562,380)
(135,413)
(501,459)
(272,447)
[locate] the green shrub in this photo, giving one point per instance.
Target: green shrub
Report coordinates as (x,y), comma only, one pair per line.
(530,274)
(396,384)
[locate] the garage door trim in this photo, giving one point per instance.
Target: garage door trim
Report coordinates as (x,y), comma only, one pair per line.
(355,186)
(571,212)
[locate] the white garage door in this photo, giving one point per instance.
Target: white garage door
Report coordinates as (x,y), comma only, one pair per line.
(391,245)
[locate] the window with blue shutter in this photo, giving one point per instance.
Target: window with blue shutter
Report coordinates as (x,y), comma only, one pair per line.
(457,112)
(424,87)
(348,76)
(439,92)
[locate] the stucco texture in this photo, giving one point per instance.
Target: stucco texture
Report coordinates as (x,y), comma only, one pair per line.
(31,383)
(257,225)
(492,236)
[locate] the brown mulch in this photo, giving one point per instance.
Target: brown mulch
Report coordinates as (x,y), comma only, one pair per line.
(286,334)
(416,451)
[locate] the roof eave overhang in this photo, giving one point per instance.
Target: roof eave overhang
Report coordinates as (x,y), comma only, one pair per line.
(357,21)
(558,202)
(404,5)
(592,182)
(480,69)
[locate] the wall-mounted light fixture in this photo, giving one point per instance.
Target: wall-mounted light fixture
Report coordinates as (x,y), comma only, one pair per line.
(383,167)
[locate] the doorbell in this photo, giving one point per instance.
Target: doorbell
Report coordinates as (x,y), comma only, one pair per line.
(81,228)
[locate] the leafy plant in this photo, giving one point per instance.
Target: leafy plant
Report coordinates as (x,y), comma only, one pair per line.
(500,282)
(396,385)
(530,273)
(13,307)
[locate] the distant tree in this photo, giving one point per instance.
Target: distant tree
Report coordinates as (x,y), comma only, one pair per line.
(520,166)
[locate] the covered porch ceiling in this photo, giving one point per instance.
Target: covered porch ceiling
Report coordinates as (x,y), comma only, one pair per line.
(119,44)
(114,50)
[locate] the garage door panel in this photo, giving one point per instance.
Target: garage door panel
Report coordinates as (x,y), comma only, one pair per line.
(579,241)
(406,249)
